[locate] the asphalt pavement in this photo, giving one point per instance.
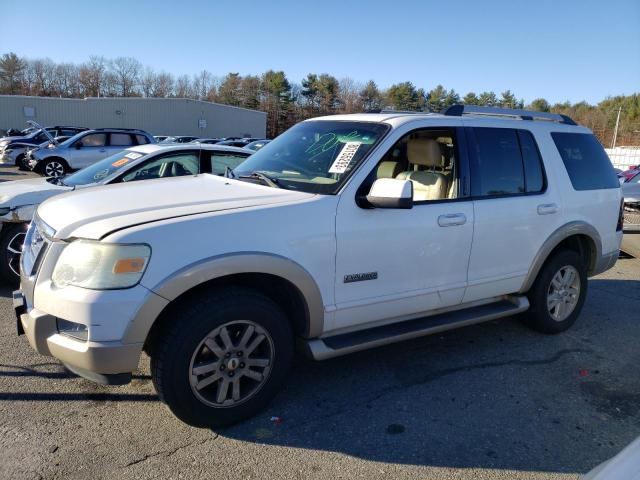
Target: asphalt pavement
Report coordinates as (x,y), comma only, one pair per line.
(490,401)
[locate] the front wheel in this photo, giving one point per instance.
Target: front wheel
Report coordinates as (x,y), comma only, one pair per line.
(222,357)
(11,241)
(20,163)
(54,168)
(558,294)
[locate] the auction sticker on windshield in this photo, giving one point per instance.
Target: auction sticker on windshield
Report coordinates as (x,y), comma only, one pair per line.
(133,155)
(119,163)
(342,161)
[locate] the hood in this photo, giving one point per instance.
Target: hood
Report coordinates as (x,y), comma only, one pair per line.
(631,191)
(18,193)
(95,212)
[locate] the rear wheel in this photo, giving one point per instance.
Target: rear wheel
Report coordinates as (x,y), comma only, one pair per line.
(558,294)
(11,241)
(222,358)
(54,168)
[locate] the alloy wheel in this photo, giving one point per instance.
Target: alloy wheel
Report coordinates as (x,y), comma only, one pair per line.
(54,169)
(231,364)
(563,293)
(14,251)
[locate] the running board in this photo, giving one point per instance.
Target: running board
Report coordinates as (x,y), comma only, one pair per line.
(328,347)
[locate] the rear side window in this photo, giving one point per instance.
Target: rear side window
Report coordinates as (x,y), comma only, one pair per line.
(587,163)
(533,174)
(121,140)
(498,169)
(142,140)
(505,161)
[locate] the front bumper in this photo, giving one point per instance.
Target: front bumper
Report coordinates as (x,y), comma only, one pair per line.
(103,362)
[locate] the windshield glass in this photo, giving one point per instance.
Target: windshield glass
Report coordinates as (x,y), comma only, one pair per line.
(314,156)
(104,168)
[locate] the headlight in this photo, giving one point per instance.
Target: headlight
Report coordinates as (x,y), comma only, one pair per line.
(100,266)
(4,143)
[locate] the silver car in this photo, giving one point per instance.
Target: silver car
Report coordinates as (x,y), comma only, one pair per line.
(84,149)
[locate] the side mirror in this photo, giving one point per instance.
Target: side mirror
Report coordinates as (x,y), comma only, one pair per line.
(391,193)
(78,145)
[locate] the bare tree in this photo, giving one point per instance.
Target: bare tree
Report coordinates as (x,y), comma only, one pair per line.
(67,80)
(202,83)
(148,81)
(163,86)
(44,74)
(127,74)
(183,88)
(92,76)
(349,95)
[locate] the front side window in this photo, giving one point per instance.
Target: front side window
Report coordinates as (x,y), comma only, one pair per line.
(427,157)
(170,165)
(587,163)
(220,162)
(314,156)
(94,140)
(121,140)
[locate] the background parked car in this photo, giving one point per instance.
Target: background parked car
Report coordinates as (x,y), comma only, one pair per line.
(631,228)
(12,148)
(256,144)
(234,143)
(160,138)
(20,198)
(15,154)
(179,139)
(210,141)
(84,149)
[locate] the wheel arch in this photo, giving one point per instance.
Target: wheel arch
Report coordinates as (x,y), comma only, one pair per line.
(578,236)
(284,281)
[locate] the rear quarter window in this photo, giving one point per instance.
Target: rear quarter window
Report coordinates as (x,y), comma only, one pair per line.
(587,163)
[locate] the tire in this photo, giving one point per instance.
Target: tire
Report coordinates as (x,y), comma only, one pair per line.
(183,345)
(11,240)
(556,283)
(20,163)
(54,167)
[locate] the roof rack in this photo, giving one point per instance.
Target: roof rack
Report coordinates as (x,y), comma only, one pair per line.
(459,110)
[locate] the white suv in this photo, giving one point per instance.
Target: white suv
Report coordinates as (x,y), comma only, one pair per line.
(344,233)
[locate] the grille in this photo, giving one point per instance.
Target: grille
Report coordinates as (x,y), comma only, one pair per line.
(632,218)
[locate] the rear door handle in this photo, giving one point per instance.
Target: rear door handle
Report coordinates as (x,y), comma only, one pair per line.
(452,219)
(547,209)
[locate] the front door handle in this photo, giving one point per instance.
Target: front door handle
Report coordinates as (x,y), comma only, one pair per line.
(547,209)
(452,219)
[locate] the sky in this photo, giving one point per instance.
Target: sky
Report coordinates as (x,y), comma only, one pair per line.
(557,49)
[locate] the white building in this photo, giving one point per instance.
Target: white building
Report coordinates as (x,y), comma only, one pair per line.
(158,116)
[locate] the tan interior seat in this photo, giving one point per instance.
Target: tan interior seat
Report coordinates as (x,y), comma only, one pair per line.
(388,169)
(427,185)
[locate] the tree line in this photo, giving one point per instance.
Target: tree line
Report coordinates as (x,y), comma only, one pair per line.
(285,102)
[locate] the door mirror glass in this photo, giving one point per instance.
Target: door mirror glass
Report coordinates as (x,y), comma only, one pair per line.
(391,193)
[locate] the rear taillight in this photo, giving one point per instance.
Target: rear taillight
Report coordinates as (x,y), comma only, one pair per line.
(621,217)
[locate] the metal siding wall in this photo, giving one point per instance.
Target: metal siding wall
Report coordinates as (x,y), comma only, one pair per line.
(158,116)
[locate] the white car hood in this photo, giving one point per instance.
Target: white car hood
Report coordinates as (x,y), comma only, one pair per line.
(95,212)
(18,193)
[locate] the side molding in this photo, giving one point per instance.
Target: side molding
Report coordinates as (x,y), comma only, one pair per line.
(565,231)
(249,262)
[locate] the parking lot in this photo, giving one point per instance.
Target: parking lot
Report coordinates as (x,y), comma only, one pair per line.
(491,401)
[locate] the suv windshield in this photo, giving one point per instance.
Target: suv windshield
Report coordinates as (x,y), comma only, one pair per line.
(100,170)
(314,156)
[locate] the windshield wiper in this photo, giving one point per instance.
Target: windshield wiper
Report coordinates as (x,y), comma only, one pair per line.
(271,181)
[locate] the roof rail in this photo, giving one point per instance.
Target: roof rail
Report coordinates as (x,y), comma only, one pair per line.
(403,112)
(458,110)
(120,128)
